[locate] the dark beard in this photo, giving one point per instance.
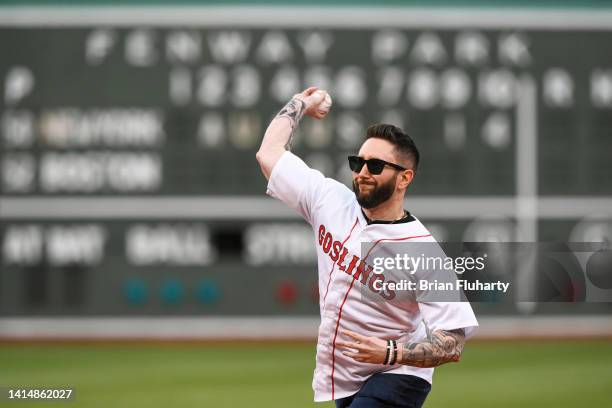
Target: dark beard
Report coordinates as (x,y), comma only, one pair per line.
(377,196)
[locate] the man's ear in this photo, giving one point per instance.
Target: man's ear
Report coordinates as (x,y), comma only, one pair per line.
(406,178)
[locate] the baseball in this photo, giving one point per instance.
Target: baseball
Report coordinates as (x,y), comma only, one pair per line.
(325,105)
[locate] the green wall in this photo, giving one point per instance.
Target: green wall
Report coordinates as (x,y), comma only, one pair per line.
(410,3)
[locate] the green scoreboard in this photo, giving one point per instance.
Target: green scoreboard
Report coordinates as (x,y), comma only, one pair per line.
(128,177)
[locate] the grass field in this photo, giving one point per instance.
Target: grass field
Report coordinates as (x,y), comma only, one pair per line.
(500,374)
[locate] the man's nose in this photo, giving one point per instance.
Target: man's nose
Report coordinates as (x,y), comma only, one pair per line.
(364,172)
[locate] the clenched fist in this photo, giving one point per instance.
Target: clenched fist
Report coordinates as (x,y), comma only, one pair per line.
(318,102)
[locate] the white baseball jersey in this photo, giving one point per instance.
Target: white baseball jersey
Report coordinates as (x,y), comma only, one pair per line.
(340,228)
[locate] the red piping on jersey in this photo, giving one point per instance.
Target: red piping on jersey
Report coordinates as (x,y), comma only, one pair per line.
(396,239)
(344,300)
(334,264)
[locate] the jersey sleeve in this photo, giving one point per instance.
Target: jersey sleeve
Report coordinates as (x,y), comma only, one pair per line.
(446,309)
(449,316)
(303,189)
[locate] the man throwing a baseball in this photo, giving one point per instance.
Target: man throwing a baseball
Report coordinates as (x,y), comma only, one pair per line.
(371,351)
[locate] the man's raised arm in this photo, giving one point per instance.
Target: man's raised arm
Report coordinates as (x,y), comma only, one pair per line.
(279,134)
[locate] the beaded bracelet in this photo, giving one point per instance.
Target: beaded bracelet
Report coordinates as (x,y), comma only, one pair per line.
(388,355)
(394,355)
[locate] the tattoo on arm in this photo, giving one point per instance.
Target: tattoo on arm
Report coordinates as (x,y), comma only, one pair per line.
(294,110)
(442,346)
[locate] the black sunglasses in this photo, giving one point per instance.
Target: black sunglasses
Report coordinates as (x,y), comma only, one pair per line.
(375,166)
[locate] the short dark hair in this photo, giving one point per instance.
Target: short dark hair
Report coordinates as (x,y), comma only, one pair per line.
(397,137)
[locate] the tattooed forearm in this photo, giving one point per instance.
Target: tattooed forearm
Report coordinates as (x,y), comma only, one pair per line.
(443,346)
(293,110)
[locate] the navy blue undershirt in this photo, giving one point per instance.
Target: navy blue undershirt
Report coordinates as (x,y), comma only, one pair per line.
(407,218)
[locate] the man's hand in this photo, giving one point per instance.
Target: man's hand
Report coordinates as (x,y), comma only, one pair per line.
(312,98)
(364,349)
(443,346)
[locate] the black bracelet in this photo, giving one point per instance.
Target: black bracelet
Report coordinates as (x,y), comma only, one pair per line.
(394,355)
(389,345)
